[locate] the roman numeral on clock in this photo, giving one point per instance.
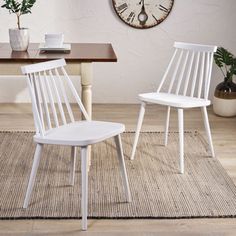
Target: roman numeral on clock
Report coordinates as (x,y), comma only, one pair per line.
(123,7)
(155,18)
(131,17)
(162,8)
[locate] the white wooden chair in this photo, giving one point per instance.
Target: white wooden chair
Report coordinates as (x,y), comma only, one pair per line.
(46,82)
(186,84)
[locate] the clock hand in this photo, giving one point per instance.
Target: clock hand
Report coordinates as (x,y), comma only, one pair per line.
(142,17)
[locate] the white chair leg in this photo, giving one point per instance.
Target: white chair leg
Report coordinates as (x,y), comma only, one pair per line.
(84,198)
(208,130)
(139,125)
(122,167)
(33,173)
(167,125)
(181,139)
(72,166)
(89,157)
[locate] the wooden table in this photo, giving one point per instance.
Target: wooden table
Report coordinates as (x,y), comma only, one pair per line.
(79,62)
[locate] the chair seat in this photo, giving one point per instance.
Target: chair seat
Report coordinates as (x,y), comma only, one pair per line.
(81,133)
(173,100)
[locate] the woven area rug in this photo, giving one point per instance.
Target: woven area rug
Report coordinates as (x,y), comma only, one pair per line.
(158,190)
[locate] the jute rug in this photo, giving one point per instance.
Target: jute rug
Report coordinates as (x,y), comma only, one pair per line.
(158,190)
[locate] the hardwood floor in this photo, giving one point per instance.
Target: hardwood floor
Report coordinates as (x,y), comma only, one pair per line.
(18,117)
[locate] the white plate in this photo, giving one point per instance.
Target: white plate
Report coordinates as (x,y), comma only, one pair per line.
(65,47)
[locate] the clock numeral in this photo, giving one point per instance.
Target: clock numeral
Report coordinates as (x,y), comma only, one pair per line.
(131,17)
(123,7)
(155,18)
(162,8)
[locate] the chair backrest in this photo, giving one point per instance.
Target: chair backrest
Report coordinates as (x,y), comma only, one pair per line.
(50,102)
(189,71)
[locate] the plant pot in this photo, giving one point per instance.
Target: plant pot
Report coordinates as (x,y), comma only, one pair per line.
(224,102)
(19,39)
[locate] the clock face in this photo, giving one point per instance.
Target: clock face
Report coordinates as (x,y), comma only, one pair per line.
(143,14)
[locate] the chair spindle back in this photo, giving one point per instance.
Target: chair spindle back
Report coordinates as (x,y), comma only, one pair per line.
(189,71)
(47,83)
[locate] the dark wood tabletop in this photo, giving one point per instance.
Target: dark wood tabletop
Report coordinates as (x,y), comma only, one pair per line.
(80,52)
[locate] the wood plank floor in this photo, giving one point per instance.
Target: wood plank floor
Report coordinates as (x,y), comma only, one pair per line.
(18,117)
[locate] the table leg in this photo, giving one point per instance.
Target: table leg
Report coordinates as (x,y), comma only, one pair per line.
(86,94)
(86,84)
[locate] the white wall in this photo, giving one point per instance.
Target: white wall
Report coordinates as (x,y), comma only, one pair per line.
(143,54)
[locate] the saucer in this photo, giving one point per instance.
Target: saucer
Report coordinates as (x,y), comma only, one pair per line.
(64,48)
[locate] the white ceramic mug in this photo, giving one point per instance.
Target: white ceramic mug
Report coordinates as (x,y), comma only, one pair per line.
(54,40)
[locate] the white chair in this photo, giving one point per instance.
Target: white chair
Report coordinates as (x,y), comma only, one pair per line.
(186,85)
(46,82)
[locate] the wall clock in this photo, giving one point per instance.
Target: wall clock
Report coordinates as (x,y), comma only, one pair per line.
(143,14)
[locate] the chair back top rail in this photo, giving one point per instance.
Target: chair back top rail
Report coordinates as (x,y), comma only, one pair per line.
(195,47)
(43,66)
(49,85)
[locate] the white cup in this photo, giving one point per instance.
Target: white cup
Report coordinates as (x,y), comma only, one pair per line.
(54,40)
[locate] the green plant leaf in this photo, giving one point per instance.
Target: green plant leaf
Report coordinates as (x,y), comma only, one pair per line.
(233,67)
(226,61)
(20,8)
(26,6)
(222,56)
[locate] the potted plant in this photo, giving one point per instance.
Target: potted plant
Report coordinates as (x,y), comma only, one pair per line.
(224,103)
(19,37)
